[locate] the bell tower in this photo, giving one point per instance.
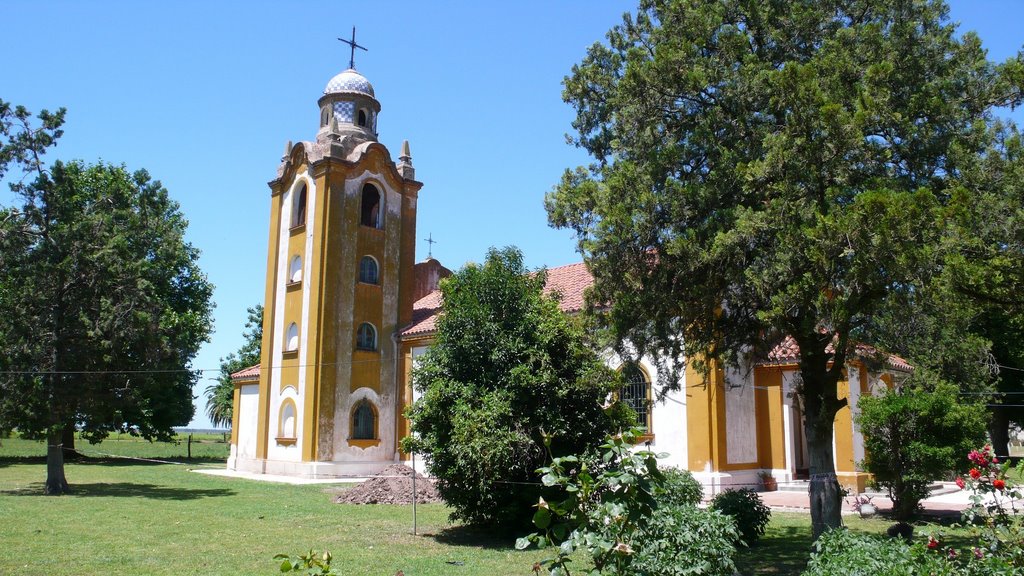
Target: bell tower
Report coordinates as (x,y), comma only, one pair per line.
(340,283)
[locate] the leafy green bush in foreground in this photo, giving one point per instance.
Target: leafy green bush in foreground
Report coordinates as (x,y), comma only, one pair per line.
(746,508)
(611,510)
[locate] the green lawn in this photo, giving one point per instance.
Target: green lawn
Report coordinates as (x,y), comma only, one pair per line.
(136,517)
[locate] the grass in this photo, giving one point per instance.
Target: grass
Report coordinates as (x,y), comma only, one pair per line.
(134,517)
(140,517)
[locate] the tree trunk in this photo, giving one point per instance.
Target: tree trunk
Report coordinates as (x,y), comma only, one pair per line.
(68,440)
(825,494)
(999,432)
(56,483)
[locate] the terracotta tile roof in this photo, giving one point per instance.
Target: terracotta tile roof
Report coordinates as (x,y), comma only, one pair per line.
(788,351)
(424,316)
(250,373)
(569,282)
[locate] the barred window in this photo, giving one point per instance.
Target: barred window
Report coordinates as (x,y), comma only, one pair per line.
(363,422)
(368,270)
(366,337)
(636,394)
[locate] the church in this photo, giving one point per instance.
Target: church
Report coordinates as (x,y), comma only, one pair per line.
(348,310)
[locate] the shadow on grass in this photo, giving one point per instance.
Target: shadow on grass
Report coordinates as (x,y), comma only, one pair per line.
(110,461)
(473,536)
(127,489)
(783,550)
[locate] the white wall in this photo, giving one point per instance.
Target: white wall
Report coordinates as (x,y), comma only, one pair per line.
(248,416)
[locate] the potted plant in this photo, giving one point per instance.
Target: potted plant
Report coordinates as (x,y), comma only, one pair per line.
(862,504)
(769,481)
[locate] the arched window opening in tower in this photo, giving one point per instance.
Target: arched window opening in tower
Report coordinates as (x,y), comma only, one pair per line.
(636,394)
(292,338)
(295,270)
(287,429)
(366,337)
(370,207)
(299,207)
(362,117)
(368,270)
(364,422)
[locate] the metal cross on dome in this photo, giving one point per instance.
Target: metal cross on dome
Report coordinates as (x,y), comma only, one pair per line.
(352,44)
(430,242)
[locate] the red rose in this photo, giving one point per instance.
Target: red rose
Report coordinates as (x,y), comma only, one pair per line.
(975,474)
(959,482)
(998,484)
(932,543)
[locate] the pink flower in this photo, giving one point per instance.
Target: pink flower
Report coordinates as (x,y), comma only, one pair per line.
(959,482)
(978,553)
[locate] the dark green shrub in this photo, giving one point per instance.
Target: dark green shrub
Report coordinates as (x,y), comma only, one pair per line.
(915,435)
(509,382)
(685,539)
(680,488)
(610,512)
(843,553)
(747,510)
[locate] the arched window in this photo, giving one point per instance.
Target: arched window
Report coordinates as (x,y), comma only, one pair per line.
(366,337)
(636,393)
(299,207)
(368,270)
(295,269)
(364,421)
(287,428)
(325,116)
(292,338)
(362,118)
(370,208)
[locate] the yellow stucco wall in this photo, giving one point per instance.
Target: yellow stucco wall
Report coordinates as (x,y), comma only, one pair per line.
(771,447)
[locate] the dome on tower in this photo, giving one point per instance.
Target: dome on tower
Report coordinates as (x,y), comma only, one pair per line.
(349,81)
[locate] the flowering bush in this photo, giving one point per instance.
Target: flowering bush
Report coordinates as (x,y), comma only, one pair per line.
(995,503)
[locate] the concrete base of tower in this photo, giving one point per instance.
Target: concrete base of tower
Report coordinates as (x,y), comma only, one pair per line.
(309,470)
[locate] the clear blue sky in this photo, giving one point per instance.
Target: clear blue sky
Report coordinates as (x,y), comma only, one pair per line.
(204,95)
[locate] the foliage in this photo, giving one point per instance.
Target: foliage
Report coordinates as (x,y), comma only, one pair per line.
(311,563)
(679,488)
(24,145)
(686,540)
(221,395)
(745,507)
(994,498)
(507,373)
(610,509)
(914,434)
(844,553)
(111,305)
(773,168)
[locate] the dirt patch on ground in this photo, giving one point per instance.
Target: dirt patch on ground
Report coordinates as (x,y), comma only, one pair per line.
(392,486)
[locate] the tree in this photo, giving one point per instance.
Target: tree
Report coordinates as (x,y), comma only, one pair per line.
(916,434)
(220,396)
(507,374)
(767,168)
(103,303)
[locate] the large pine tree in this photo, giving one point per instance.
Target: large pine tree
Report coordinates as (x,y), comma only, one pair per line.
(766,168)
